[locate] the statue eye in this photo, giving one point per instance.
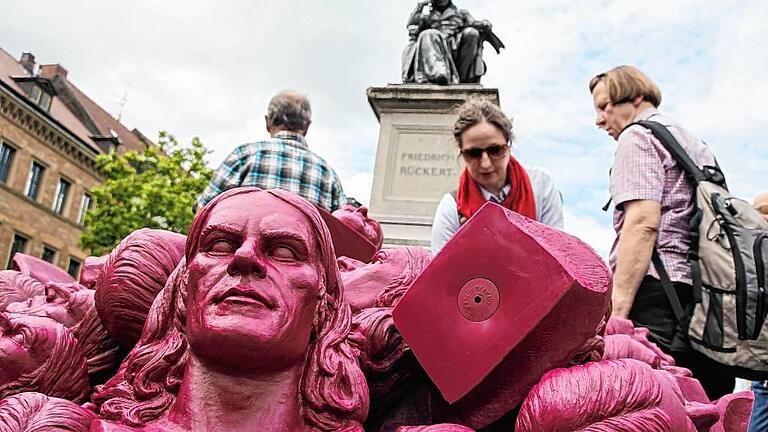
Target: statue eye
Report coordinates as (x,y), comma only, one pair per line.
(21,335)
(222,247)
(283,253)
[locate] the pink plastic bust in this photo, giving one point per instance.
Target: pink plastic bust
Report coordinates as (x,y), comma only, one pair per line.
(91,269)
(250,331)
(357,219)
(65,303)
(130,278)
(72,305)
(17,287)
(39,354)
(36,412)
(41,270)
(382,282)
(610,395)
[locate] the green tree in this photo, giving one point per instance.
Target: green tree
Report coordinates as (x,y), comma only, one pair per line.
(155,188)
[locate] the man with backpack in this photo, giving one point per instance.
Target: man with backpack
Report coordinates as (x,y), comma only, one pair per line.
(653,200)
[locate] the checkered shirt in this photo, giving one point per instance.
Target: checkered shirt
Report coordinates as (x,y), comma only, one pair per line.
(283,162)
(644,170)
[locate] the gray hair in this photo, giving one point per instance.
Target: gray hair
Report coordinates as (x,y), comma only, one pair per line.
(289,110)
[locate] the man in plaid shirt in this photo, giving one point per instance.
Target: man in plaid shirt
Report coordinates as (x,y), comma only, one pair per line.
(654,206)
(283,162)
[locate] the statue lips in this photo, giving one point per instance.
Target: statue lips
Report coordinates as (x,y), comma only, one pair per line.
(244,295)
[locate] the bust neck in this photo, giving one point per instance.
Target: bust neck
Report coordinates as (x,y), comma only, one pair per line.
(213,400)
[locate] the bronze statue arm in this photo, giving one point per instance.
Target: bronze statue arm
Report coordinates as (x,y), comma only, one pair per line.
(417,17)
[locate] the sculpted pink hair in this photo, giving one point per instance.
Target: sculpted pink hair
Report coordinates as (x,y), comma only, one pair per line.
(16,286)
(606,396)
(36,412)
(333,391)
(416,259)
(130,278)
(63,374)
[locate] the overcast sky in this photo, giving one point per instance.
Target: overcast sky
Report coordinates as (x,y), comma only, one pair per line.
(208,69)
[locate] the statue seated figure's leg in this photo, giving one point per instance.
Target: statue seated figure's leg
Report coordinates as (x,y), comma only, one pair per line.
(432,59)
(465,57)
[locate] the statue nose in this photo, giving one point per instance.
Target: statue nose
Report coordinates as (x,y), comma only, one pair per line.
(248,260)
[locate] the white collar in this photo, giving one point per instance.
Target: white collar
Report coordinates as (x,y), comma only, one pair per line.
(500,197)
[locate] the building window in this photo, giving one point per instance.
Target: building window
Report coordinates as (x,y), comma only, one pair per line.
(19,245)
(35,93)
(60,199)
(34,180)
(40,97)
(45,101)
(74,267)
(6,159)
(49,254)
(85,205)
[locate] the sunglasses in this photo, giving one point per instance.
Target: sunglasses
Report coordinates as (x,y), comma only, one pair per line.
(495,151)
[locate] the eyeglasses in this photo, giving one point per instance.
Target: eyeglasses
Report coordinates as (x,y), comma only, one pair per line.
(495,151)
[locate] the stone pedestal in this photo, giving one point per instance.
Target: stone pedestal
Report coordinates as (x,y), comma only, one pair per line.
(417,160)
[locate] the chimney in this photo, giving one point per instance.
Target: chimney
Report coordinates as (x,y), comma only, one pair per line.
(51,71)
(27,61)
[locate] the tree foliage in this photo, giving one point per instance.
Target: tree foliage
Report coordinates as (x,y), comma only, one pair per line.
(155,188)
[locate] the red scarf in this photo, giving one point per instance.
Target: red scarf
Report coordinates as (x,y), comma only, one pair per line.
(519,200)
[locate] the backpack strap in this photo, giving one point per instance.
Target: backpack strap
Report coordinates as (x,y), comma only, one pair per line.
(669,289)
(695,175)
(675,149)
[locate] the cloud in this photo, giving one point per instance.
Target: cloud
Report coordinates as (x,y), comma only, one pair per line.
(205,69)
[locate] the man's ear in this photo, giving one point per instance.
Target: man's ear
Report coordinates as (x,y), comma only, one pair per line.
(638,100)
(268,124)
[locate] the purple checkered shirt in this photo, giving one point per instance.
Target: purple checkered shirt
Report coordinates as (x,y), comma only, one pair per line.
(644,170)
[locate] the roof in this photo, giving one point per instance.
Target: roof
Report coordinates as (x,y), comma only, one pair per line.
(10,68)
(106,123)
(73,108)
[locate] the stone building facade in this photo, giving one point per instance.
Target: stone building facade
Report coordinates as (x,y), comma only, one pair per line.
(50,135)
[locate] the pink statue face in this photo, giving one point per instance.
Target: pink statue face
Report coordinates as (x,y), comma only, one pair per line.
(363,284)
(65,303)
(357,219)
(253,284)
(25,343)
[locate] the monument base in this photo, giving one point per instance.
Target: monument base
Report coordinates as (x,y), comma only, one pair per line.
(417,160)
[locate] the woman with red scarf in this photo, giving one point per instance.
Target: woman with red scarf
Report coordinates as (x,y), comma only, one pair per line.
(484,134)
